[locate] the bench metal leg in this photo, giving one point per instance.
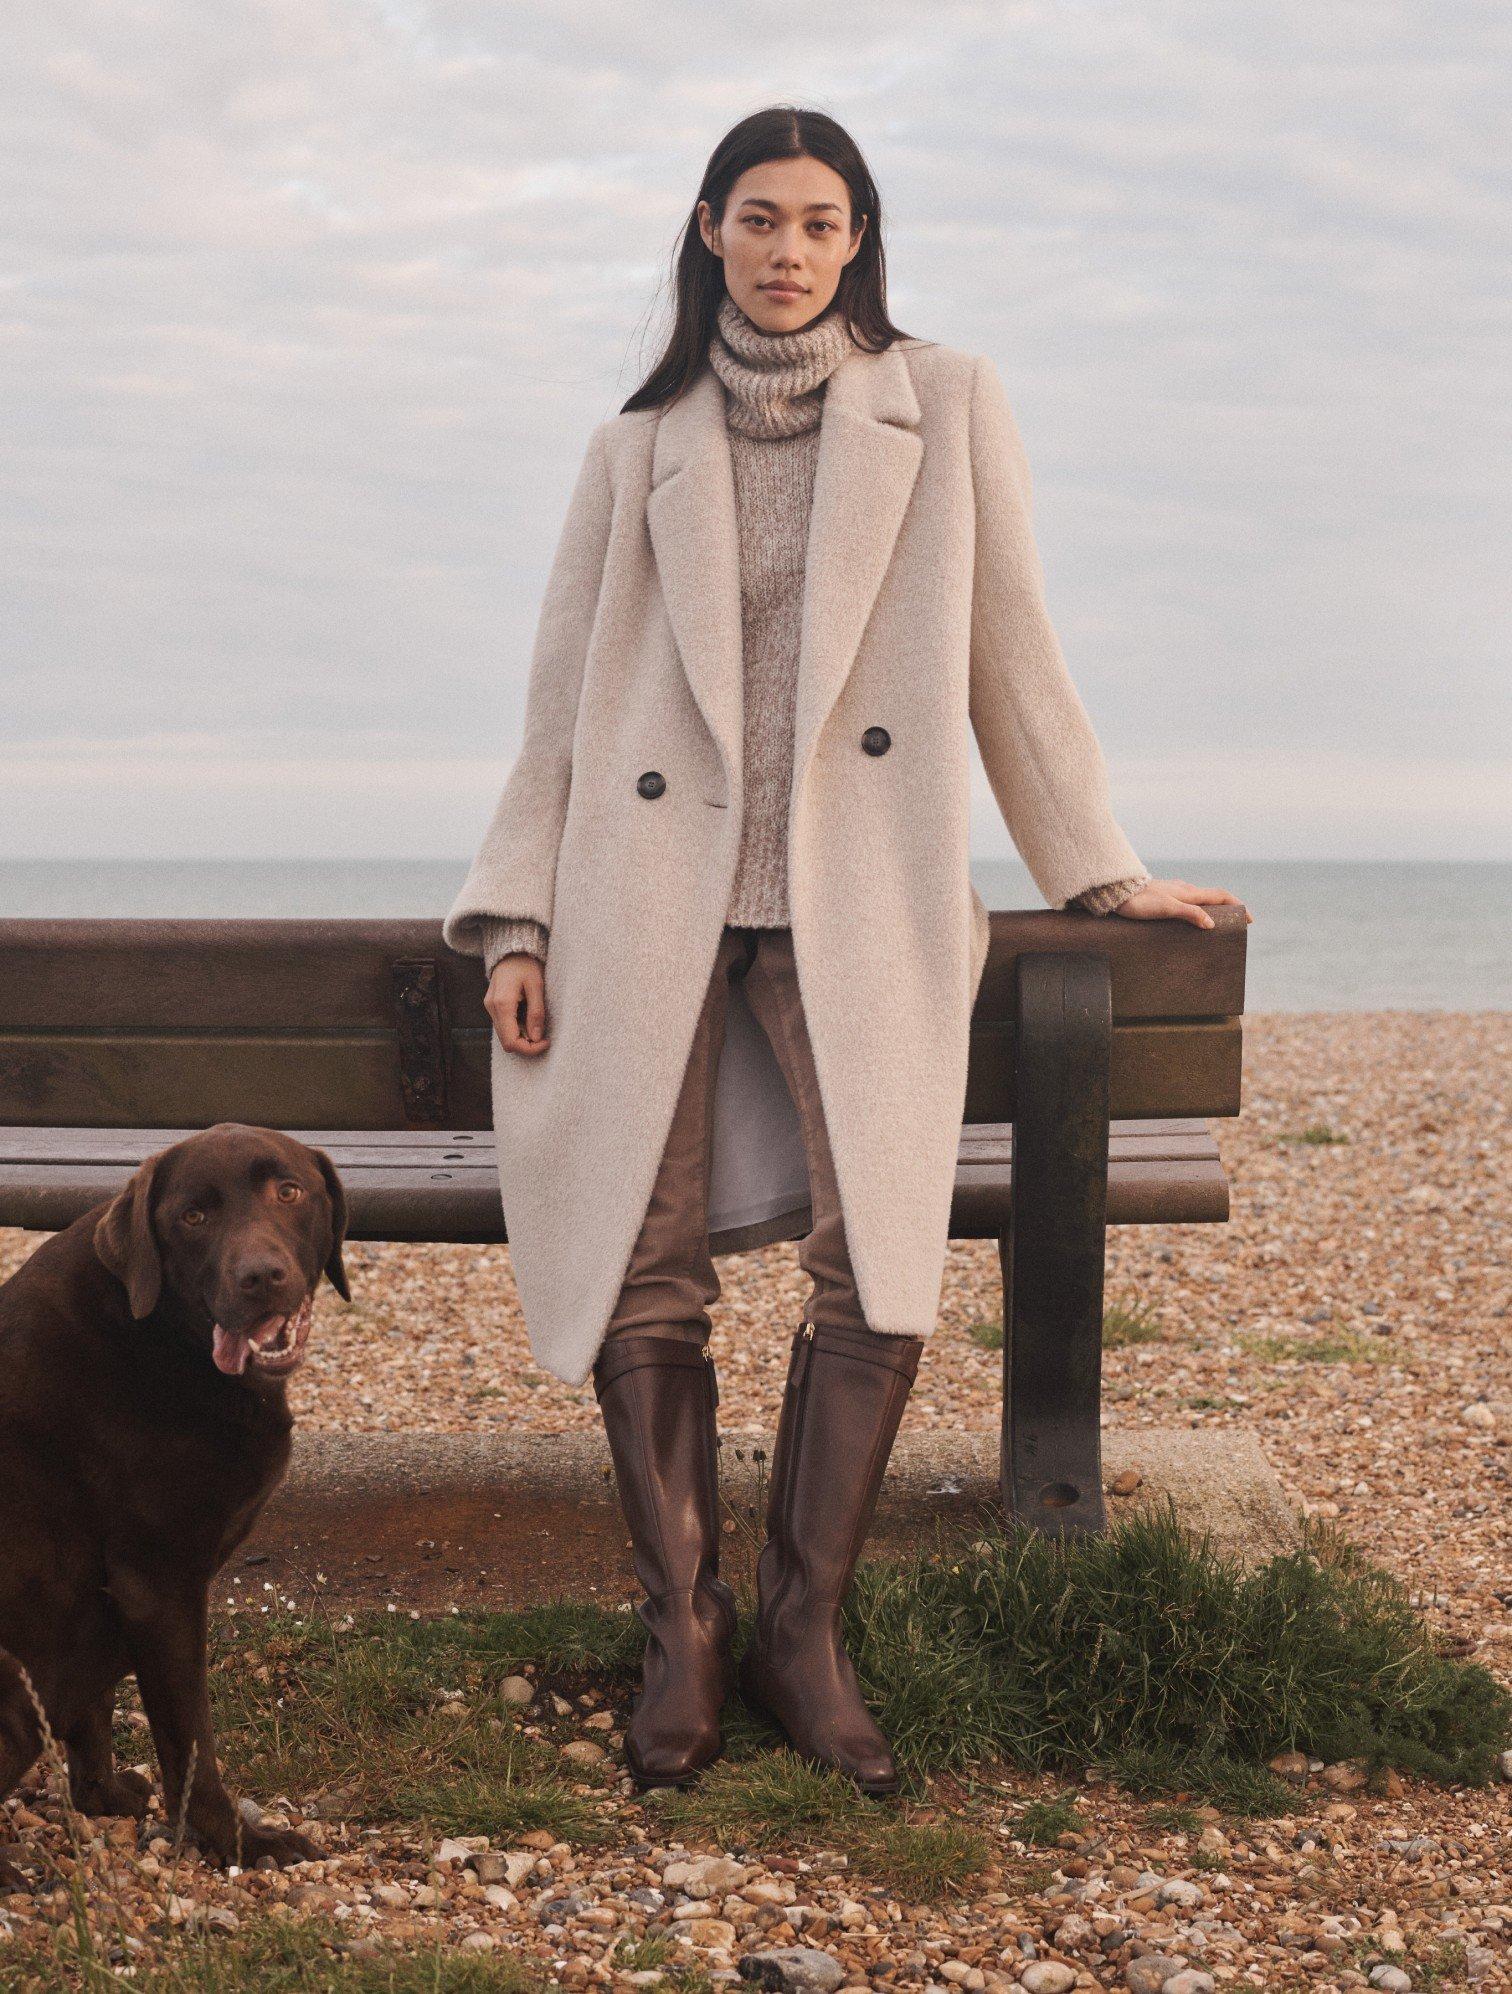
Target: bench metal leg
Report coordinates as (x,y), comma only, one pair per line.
(1052,1250)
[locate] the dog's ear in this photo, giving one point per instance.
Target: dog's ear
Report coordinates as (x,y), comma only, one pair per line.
(125,1242)
(335,1271)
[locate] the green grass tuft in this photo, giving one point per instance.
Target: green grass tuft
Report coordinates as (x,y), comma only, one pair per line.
(356,1712)
(1129,1322)
(1144,1652)
(1043,1822)
(1317,1135)
(265,1957)
(776,1800)
(1338,1347)
(1123,1323)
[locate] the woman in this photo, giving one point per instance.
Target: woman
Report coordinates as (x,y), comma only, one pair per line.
(797,568)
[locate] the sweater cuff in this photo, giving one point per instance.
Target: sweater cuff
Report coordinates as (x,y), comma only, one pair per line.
(1104,899)
(509,935)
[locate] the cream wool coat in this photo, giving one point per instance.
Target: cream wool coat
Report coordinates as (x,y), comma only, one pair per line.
(924,614)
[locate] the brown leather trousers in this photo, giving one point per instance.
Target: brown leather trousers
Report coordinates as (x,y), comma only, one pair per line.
(845,1395)
(670,1282)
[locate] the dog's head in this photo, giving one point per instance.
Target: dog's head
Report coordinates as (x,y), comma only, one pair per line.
(237,1224)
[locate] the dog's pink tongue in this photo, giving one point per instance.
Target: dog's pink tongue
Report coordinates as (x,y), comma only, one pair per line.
(230,1351)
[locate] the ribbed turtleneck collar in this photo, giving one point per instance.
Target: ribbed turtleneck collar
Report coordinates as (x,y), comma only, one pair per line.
(775,380)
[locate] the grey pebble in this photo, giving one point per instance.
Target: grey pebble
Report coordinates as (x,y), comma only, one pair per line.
(557,1910)
(792,1970)
(1415,1848)
(1180,1891)
(1048,1976)
(1149,1973)
(1390,1979)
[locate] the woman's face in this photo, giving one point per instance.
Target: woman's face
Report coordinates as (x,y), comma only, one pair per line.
(785,238)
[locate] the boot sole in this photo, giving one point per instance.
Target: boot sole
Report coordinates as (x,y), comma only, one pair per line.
(646,1782)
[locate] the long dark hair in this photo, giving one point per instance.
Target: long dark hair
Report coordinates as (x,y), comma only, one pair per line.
(781,132)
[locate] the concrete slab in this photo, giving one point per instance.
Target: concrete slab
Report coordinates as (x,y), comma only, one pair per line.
(432,1520)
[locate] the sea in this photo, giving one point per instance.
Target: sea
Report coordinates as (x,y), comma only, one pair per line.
(1326,936)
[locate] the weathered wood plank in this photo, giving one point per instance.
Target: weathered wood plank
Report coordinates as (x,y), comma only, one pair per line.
(254,975)
(140,1078)
(452,1193)
(981,1143)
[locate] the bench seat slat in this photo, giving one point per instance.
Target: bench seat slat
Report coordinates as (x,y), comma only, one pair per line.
(407,1187)
(980,1142)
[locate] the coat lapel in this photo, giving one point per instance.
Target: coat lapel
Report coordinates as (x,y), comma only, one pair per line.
(870,449)
(869,455)
(690,512)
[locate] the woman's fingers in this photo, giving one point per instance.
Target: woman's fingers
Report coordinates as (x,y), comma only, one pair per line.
(516,1002)
(1174,906)
(535,1008)
(1178,900)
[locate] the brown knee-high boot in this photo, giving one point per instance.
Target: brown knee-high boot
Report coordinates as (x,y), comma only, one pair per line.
(846,1391)
(657,1395)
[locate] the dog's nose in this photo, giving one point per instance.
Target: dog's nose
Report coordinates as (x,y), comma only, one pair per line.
(263,1277)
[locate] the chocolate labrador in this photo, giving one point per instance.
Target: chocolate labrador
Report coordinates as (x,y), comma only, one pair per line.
(144,1352)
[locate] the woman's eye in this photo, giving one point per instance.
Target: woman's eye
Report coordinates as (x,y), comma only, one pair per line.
(289,1193)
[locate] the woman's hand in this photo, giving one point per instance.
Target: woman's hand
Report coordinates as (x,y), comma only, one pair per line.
(1179,900)
(516,1001)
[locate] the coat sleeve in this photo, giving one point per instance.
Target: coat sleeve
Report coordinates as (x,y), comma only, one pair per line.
(1038,748)
(514,873)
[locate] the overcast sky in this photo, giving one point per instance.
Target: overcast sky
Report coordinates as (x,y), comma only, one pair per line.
(309,306)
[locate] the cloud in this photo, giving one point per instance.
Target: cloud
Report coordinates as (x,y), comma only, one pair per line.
(307,308)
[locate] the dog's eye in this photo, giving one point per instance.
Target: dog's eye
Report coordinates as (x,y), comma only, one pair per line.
(193,1216)
(289,1192)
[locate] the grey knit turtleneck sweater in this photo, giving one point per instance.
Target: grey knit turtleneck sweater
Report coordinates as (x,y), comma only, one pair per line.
(774,398)
(774,402)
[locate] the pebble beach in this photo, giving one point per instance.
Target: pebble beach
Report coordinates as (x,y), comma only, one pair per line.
(1354,1314)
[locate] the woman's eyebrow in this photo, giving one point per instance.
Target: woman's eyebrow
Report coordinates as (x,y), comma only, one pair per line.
(756,201)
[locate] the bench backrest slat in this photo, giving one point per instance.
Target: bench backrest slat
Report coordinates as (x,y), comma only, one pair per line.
(375,1024)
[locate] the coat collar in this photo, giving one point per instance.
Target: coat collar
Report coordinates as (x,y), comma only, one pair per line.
(869,454)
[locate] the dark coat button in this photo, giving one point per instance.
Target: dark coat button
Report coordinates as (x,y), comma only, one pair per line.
(652,783)
(876,740)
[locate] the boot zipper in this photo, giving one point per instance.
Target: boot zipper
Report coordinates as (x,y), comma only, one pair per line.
(797,1381)
(803,1358)
(711,1430)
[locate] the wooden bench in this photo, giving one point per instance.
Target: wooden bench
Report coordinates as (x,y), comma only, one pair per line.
(1098,1048)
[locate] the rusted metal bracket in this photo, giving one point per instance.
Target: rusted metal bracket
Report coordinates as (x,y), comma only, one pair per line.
(421,1029)
(1052,1250)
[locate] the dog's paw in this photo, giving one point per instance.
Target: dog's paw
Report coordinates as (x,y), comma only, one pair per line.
(12,1878)
(125,1793)
(278,1845)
